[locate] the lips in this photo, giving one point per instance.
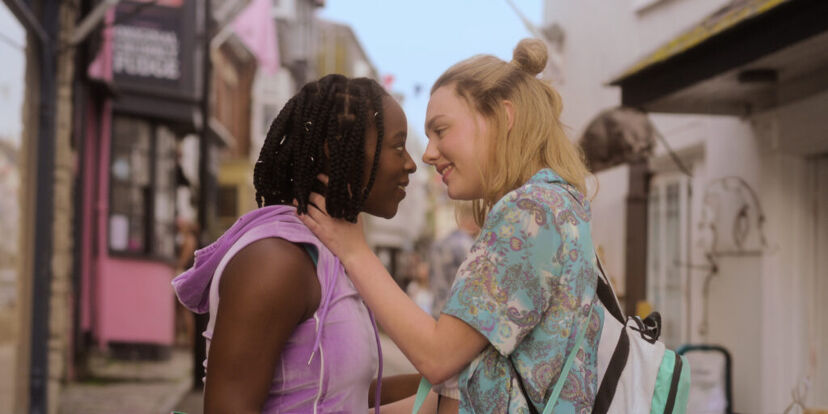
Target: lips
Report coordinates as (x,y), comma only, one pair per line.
(444,170)
(401,186)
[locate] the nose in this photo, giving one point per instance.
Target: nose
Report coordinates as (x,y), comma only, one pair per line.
(431,155)
(410,165)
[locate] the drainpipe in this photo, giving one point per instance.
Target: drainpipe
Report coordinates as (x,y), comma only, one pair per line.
(44,32)
(206,188)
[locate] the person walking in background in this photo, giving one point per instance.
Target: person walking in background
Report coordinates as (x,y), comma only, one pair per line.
(520,308)
(446,255)
(419,288)
(187,241)
(288,332)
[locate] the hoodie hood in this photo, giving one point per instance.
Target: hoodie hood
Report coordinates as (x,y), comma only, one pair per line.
(193,286)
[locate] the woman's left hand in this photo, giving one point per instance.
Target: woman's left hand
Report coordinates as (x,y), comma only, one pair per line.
(344,239)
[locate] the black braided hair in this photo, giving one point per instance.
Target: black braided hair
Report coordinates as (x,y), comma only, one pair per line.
(322,130)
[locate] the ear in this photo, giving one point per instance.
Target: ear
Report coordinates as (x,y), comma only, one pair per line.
(510,114)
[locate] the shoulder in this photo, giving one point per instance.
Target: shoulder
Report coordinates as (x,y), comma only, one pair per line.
(270,271)
(542,199)
(272,255)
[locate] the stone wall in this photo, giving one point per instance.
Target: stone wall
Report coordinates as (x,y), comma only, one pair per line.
(60,306)
(61,296)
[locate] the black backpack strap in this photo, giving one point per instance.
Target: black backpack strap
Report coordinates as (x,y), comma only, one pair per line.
(610,382)
(671,396)
(606,295)
(529,402)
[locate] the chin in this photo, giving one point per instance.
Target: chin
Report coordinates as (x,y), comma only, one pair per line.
(387,213)
(390,214)
(461,195)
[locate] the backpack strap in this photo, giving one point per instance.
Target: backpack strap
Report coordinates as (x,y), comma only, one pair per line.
(550,405)
(532,409)
(570,359)
(422,393)
(606,391)
(606,294)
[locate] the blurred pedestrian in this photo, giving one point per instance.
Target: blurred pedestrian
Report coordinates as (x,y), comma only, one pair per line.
(521,306)
(187,238)
(419,289)
(290,333)
(447,254)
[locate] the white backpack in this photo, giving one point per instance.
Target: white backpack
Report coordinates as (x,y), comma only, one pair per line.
(636,373)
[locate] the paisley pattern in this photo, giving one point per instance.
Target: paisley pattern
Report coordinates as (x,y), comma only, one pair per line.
(527,286)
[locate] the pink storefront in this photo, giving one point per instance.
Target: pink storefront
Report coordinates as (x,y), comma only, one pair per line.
(143,99)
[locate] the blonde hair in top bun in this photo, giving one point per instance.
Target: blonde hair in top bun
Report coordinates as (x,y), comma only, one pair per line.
(530,56)
(536,139)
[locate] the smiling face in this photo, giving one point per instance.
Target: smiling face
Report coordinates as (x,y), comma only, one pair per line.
(457,143)
(395,164)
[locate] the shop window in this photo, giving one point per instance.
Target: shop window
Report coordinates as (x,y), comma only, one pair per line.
(142,184)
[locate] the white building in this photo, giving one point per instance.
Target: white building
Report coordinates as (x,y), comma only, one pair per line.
(733,254)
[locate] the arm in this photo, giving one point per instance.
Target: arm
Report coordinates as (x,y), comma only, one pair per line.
(406,405)
(394,388)
(438,349)
(270,283)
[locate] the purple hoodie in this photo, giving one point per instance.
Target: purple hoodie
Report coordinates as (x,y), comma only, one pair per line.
(337,381)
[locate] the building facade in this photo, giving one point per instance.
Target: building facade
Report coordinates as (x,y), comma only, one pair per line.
(722,230)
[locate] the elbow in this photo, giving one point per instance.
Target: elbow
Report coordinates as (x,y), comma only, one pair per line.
(437,373)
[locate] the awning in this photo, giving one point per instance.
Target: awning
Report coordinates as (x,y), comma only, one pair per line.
(748,56)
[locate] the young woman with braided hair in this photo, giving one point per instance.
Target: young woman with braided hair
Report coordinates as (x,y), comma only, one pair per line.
(290,333)
(517,331)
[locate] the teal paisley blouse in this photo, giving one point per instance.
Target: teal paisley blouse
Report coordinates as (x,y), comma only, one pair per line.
(527,286)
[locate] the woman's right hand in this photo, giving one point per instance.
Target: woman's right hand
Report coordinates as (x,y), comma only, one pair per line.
(344,239)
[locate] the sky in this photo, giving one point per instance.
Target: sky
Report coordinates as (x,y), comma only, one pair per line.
(12,39)
(417,40)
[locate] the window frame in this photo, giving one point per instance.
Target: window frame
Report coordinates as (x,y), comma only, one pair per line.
(150,221)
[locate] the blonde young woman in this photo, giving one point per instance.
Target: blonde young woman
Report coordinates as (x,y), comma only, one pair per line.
(526,290)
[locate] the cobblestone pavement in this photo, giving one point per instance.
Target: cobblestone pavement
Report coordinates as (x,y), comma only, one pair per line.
(146,387)
(129,387)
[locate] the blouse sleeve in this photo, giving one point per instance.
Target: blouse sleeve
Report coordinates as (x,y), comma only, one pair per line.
(503,287)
